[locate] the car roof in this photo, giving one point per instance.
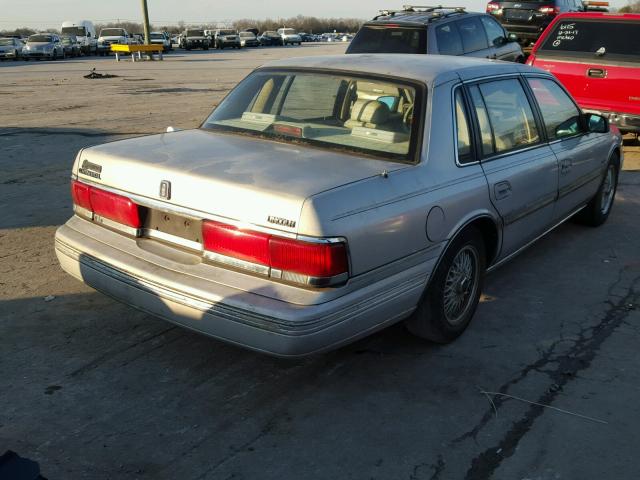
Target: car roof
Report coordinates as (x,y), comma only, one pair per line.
(429,69)
(600,15)
(420,16)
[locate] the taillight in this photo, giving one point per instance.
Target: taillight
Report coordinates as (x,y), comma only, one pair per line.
(287,256)
(115,207)
(232,242)
(313,259)
(492,7)
(109,205)
(549,10)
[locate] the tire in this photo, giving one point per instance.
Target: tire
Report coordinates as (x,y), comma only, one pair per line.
(452,295)
(598,209)
(54,56)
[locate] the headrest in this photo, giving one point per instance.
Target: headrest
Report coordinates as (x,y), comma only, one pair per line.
(369,111)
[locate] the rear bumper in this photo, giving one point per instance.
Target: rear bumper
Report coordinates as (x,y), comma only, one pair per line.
(626,122)
(242,317)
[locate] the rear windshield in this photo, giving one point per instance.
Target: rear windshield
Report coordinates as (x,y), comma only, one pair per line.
(111,32)
(331,110)
(384,39)
(156,36)
(41,38)
(195,33)
(593,38)
(77,31)
(246,34)
(227,32)
(6,41)
(288,31)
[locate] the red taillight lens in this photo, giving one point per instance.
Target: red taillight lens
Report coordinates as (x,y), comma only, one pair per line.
(304,258)
(492,7)
(313,259)
(106,204)
(80,194)
(115,207)
(233,242)
(549,10)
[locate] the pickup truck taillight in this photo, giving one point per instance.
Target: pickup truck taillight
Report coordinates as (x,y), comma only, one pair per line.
(105,204)
(289,256)
(492,7)
(549,10)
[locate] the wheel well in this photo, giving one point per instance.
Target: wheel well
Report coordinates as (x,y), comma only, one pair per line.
(489,231)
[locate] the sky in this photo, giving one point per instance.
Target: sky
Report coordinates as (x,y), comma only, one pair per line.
(51,13)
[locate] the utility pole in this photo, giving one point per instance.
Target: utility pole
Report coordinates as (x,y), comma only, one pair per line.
(145,13)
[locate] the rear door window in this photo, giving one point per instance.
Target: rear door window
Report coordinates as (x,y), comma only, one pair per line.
(387,39)
(560,115)
(472,33)
(512,120)
(595,39)
(448,38)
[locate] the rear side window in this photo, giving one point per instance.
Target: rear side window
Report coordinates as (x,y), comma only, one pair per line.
(595,39)
(449,41)
(510,114)
(561,116)
(384,39)
(472,33)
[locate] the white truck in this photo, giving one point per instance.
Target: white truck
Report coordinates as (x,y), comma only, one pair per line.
(85,32)
(109,36)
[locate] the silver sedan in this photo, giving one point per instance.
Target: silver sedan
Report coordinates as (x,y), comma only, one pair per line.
(328,197)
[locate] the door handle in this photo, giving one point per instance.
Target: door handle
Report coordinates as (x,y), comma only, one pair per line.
(565,165)
(596,73)
(502,190)
(492,57)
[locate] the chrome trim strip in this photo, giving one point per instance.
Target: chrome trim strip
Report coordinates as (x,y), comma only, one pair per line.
(528,244)
(324,240)
(236,262)
(134,232)
(174,239)
(82,212)
(580,182)
(529,209)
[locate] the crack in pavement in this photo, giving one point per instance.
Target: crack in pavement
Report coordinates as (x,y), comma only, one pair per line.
(568,364)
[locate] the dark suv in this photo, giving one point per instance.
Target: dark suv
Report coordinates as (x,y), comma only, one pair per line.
(529,19)
(439,30)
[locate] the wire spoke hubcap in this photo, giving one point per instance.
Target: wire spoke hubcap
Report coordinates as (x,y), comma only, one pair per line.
(608,189)
(460,285)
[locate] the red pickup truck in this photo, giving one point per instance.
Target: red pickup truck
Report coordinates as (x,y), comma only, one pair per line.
(596,56)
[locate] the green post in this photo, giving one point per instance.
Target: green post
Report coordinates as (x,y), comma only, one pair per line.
(145,13)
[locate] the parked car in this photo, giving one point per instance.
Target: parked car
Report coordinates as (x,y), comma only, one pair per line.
(328,197)
(194,38)
(10,48)
(43,45)
(85,32)
(248,39)
(137,39)
(71,45)
(289,36)
(595,58)
(226,37)
(110,36)
(160,38)
(270,38)
(528,19)
(438,30)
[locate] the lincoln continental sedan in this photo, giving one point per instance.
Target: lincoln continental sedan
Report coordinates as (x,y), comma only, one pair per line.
(326,198)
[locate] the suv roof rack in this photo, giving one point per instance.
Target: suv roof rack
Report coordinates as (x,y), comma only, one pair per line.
(421,9)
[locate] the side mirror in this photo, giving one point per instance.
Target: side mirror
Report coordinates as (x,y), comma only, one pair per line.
(596,123)
(512,37)
(172,129)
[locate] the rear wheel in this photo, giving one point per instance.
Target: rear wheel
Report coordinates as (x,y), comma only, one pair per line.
(453,293)
(598,209)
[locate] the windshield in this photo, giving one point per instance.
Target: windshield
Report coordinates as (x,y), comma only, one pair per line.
(246,34)
(6,41)
(112,32)
(593,38)
(66,41)
(227,32)
(270,34)
(369,115)
(77,31)
(156,36)
(383,39)
(288,31)
(41,38)
(195,33)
